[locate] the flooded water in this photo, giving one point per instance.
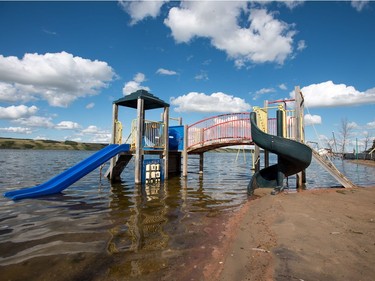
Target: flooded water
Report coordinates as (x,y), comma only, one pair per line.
(99,231)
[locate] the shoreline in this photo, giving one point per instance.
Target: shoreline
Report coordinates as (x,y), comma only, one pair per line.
(321,234)
(370,163)
(18,144)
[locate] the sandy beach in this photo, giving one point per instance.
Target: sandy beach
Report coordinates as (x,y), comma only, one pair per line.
(310,235)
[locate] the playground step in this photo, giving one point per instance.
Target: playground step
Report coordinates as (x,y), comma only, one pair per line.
(122,161)
(330,168)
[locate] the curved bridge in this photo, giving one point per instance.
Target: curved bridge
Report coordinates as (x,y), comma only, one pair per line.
(219,131)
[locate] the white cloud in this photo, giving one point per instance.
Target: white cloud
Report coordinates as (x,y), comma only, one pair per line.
(353,125)
(139,77)
(262,92)
(163,71)
(15,112)
(101,138)
(91,130)
(207,62)
(312,119)
(201,76)
(58,78)
(97,135)
(67,125)
(14,93)
(359,5)
(291,4)
(301,45)
(138,10)
(265,91)
(49,32)
(130,87)
(90,105)
(17,130)
(262,39)
(35,121)
(135,84)
(216,102)
(283,86)
(371,125)
(328,94)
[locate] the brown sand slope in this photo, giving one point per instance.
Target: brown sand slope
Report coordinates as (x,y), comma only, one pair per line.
(310,235)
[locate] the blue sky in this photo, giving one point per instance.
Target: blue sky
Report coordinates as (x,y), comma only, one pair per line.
(63,63)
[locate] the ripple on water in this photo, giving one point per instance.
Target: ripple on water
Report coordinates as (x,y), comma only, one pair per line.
(125,230)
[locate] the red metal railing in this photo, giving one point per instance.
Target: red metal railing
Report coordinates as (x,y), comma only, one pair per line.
(225,128)
(231,129)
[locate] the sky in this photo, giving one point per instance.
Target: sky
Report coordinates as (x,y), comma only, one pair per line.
(62,64)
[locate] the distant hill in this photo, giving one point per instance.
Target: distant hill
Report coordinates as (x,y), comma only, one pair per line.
(10,143)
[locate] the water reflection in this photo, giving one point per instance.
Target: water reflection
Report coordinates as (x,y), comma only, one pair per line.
(138,216)
(148,223)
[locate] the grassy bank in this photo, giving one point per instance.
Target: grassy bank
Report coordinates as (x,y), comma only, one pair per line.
(10,143)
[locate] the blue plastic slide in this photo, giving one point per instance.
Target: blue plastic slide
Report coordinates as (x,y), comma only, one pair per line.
(70,176)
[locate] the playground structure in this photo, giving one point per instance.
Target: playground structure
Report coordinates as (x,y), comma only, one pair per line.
(148,137)
(235,129)
(158,148)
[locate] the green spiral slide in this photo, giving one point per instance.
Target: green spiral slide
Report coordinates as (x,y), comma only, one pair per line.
(293,157)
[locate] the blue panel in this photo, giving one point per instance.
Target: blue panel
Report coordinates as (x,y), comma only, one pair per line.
(152,162)
(176,138)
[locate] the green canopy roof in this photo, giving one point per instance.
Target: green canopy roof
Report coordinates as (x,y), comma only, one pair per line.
(150,101)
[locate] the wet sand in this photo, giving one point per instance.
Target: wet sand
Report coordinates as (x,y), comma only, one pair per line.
(310,235)
(364,162)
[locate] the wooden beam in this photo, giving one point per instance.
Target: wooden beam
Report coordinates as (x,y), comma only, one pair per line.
(184,153)
(299,129)
(138,143)
(201,162)
(166,141)
(113,139)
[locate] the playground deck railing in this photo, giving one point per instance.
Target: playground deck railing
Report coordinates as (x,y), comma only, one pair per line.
(153,137)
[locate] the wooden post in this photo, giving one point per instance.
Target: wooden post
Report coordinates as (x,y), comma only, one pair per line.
(256,156)
(266,158)
(138,143)
(299,129)
(184,153)
(113,139)
(201,162)
(114,119)
(166,141)
(297,110)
